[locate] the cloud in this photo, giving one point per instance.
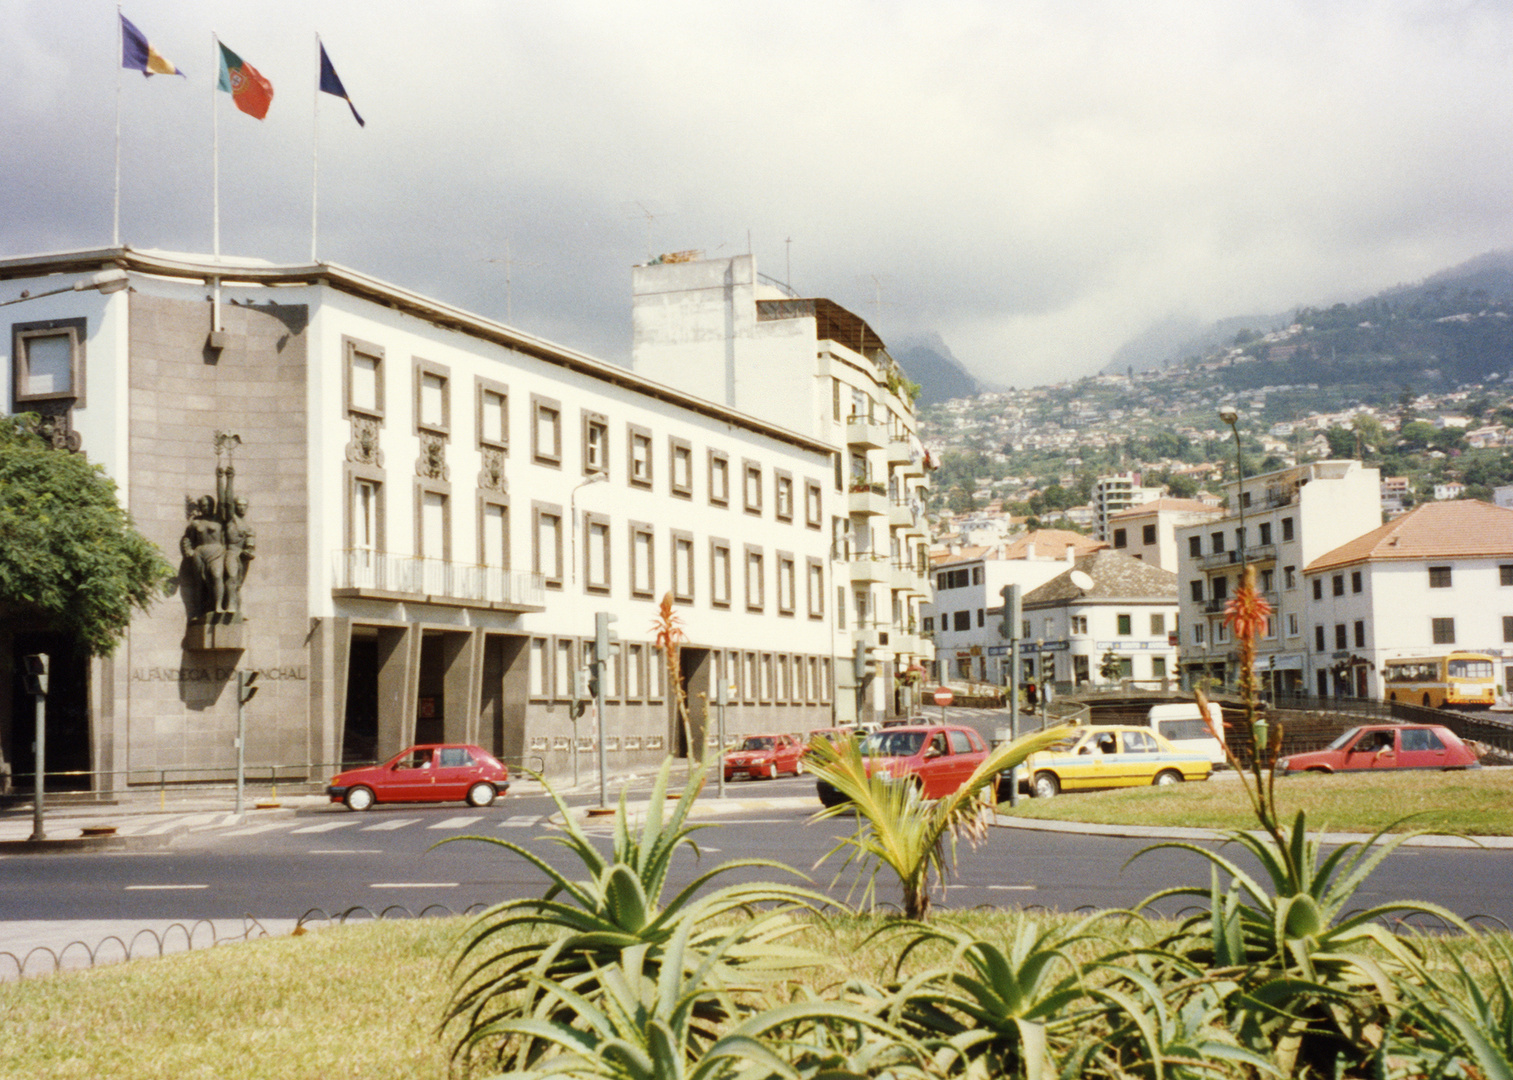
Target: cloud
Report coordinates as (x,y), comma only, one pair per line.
(1035,181)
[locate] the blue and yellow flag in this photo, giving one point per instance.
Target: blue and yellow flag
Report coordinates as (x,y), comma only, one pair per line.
(138,55)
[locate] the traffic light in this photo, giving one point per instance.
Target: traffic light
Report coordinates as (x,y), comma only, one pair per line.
(604,637)
(246,686)
(583,691)
(859,661)
(1008,624)
(35,670)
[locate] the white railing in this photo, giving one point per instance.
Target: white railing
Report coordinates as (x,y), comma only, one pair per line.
(439,578)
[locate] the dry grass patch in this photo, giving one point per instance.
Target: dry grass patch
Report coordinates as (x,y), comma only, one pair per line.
(1478,803)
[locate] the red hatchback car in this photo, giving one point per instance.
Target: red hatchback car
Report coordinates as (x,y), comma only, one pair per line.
(1386,746)
(938,758)
(435,772)
(765,756)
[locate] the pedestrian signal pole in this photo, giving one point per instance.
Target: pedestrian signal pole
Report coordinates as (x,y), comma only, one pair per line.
(604,639)
(246,689)
(36,686)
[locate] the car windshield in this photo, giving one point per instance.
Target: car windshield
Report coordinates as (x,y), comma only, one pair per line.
(893,743)
(1344,740)
(764,742)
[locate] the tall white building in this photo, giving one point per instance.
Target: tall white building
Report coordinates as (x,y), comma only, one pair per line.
(719,330)
(437,505)
(1112,494)
(1291,517)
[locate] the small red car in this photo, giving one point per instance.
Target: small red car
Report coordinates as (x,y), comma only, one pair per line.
(937,757)
(765,756)
(434,772)
(1386,746)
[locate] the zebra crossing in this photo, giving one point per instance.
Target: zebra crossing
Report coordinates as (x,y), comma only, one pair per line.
(352,823)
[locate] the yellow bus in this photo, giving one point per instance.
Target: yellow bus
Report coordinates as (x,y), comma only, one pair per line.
(1457,680)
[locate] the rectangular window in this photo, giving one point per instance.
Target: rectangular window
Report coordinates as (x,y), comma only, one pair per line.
(1355,581)
(49,360)
(1439,577)
(546,431)
(595,443)
(1289,577)
(1360,634)
(1444,631)
(1195,546)
(782,492)
(433,531)
(1337,584)
(787,583)
(546,546)
(494,536)
(1318,639)
(1292,625)
(1218,542)
(719,572)
(367,507)
(961,620)
(1197,633)
(1123,621)
(1286,528)
(680,467)
(1505,575)
(981,616)
(751,483)
(814,507)
(1158,624)
(1507,627)
(541,668)
(364,377)
(1158,667)
(635,671)
(1318,588)
(1268,581)
(596,565)
(1340,639)
(682,566)
(1079,624)
(640,456)
(816,590)
(1196,588)
(719,478)
(642,576)
(1265,533)
(1220,588)
(756,583)
(1147,534)
(1121,538)
(493,414)
(562,670)
(433,401)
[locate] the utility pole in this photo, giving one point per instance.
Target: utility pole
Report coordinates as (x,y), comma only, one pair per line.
(1008,627)
(246,690)
(604,637)
(36,686)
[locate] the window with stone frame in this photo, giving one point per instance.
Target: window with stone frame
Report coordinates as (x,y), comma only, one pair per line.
(546,431)
(546,543)
(640,456)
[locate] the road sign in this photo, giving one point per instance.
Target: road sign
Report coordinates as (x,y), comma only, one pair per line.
(943,697)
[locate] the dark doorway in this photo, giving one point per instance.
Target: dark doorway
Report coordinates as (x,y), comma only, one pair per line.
(65,714)
(501,720)
(360,729)
(430,709)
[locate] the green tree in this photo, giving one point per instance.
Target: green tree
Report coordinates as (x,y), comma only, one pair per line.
(69,554)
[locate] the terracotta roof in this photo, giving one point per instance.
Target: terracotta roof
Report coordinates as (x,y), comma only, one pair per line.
(1168,504)
(1458,529)
(1116,576)
(1051,544)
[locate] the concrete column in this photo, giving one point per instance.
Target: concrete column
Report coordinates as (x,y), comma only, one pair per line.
(398,676)
(462,654)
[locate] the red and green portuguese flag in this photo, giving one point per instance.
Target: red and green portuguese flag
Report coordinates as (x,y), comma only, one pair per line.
(249,91)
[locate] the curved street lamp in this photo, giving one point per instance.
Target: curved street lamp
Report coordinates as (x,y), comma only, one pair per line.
(1231,416)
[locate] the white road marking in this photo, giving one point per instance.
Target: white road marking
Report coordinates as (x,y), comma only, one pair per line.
(520,821)
(253,830)
(345,851)
(325,826)
(455,822)
(413,885)
(162,888)
(1003,888)
(384,826)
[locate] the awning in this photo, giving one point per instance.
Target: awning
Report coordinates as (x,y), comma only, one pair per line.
(1278,663)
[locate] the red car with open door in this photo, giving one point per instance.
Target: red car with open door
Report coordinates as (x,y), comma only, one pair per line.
(433,772)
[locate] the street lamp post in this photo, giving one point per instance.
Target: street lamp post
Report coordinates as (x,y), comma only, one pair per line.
(1231,416)
(572,509)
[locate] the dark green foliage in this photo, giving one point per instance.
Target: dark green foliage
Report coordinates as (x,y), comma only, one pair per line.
(69,555)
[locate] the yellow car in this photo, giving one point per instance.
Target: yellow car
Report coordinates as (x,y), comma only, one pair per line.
(1111,757)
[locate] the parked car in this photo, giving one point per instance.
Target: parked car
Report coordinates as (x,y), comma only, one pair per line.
(1110,757)
(765,756)
(939,758)
(1386,746)
(432,772)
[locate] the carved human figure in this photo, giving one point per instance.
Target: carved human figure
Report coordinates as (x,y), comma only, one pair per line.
(204,543)
(241,549)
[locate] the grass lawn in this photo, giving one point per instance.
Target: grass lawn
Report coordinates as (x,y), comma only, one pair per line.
(1478,803)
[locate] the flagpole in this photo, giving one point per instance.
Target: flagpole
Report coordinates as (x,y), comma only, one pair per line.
(215,154)
(115,228)
(315,153)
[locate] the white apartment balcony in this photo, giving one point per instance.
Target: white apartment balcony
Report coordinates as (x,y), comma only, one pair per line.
(864,433)
(868,569)
(900,450)
(877,636)
(377,575)
(867,499)
(900,513)
(903,578)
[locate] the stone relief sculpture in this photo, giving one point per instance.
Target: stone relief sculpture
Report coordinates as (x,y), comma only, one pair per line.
(218,544)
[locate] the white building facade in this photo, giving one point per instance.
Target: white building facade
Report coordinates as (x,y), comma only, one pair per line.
(437,506)
(1148,531)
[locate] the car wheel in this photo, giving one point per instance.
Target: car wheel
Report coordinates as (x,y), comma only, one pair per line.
(798,768)
(1427,701)
(1046,785)
(359,799)
(481,794)
(828,795)
(772,771)
(1168,777)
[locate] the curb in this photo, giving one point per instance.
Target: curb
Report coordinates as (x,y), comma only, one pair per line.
(1151,832)
(85,845)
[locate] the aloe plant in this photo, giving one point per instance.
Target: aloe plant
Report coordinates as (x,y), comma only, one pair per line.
(1456,1023)
(898,828)
(580,927)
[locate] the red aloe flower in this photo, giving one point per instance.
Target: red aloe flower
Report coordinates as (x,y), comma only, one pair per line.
(1247,612)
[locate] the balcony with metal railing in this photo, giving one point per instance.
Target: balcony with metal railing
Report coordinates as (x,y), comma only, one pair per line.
(867,498)
(1260,553)
(864,432)
(377,575)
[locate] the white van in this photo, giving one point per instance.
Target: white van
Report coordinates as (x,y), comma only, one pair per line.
(1183,727)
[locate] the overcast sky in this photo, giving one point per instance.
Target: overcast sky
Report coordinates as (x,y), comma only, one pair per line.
(1035,181)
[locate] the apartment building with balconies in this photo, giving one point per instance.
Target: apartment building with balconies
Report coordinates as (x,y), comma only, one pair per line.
(720,329)
(1277,522)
